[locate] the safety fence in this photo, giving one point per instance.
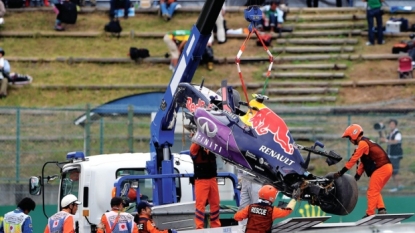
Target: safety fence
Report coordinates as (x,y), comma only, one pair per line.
(31,136)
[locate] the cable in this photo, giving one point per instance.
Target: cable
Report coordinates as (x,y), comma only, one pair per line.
(253,15)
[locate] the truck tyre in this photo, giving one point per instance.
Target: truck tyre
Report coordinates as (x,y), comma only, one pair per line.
(345,195)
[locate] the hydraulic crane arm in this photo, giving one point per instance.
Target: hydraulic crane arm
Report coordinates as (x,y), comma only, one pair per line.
(162,127)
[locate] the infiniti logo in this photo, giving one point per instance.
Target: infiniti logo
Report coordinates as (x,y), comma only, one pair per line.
(207,126)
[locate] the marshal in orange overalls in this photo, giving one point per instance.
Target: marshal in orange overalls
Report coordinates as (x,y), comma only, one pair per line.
(261,215)
(374,161)
(206,186)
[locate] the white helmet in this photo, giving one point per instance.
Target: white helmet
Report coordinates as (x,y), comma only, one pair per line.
(69,199)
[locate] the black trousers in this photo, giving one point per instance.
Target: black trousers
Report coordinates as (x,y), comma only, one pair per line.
(312,3)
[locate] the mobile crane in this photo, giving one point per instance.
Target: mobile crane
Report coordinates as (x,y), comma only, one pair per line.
(160,166)
(95,173)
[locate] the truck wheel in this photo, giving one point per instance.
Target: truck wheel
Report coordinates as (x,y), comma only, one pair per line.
(344,195)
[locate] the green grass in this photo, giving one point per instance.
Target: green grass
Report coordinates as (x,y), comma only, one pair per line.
(103,46)
(108,47)
(95,74)
(23,21)
(85,73)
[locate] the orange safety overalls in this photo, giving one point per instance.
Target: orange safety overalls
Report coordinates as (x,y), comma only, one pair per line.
(206,186)
(375,162)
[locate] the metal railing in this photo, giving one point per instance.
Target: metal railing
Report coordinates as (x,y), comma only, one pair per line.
(30,136)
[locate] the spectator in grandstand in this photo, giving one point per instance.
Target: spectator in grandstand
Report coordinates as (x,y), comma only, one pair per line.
(220,27)
(394,149)
(35,3)
(167,8)
(312,3)
(66,13)
(4,74)
(254,2)
(272,17)
(2,12)
(339,3)
(176,41)
(374,10)
(119,4)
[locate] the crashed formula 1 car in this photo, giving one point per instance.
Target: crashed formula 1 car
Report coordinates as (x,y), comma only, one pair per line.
(259,142)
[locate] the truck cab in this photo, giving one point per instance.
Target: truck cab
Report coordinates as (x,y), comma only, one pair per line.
(92,180)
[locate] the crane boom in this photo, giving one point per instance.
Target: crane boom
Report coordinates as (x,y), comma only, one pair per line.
(162,127)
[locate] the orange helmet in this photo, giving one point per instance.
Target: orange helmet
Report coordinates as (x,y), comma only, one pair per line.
(268,192)
(353,131)
(132,194)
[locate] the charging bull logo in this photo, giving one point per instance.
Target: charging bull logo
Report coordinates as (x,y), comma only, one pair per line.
(265,121)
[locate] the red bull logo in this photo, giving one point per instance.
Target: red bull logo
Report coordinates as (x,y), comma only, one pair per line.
(265,121)
(192,106)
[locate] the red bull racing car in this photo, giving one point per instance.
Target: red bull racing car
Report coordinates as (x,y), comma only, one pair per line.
(258,141)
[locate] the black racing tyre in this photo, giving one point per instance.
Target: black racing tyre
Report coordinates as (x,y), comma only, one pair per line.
(344,195)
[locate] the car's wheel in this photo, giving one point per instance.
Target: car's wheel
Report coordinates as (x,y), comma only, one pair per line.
(344,195)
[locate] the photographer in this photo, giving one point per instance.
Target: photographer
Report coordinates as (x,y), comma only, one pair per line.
(394,149)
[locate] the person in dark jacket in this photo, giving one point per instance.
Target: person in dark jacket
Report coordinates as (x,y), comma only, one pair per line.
(119,4)
(67,13)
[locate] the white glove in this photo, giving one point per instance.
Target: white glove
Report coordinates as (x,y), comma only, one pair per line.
(291,204)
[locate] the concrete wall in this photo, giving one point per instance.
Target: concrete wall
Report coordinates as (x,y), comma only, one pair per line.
(11,194)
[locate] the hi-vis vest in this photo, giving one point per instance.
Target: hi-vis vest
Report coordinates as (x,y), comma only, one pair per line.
(142,225)
(376,158)
(57,220)
(124,223)
(259,218)
(13,222)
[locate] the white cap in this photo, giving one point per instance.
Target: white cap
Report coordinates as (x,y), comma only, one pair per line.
(69,199)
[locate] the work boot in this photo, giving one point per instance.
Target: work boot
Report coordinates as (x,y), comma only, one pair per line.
(382,211)
(365,216)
